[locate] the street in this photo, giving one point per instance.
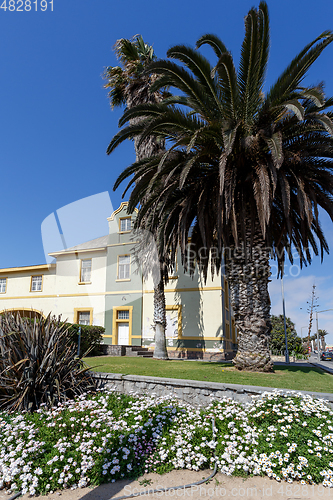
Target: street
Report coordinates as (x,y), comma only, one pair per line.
(314,359)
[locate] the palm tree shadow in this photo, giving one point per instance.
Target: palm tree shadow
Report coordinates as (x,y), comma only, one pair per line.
(191,343)
(107,491)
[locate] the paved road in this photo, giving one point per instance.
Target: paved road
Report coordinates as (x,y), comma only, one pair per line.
(314,359)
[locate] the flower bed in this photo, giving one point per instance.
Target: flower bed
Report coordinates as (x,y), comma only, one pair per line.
(104,437)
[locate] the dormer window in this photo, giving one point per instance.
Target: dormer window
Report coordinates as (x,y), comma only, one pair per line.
(125,224)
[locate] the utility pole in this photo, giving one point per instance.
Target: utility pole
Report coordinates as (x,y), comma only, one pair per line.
(312,305)
(284,320)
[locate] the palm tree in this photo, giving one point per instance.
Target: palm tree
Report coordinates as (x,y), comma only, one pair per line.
(245,170)
(130,86)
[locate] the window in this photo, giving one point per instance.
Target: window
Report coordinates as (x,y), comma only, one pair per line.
(85,271)
(173,273)
(3,285)
(84,318)
(123,314)
(36,283)
(124,267)
(226,294)
(125,224)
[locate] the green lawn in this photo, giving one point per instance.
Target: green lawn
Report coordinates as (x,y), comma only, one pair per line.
(293,377)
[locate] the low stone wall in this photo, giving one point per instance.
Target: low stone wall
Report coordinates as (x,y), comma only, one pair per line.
(191,391)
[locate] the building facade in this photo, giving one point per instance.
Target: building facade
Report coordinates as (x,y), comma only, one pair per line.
(100,283)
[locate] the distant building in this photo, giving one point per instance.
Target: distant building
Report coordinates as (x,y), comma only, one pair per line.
(97,283)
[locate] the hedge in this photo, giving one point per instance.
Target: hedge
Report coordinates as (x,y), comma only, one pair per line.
(91,337)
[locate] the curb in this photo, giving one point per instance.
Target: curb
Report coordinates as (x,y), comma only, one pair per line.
(322,367)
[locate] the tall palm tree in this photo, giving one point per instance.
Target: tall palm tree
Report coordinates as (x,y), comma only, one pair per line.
(245,170)
(130,86)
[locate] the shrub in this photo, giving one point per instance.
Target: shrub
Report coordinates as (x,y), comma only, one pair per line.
(91,337)
(38,364)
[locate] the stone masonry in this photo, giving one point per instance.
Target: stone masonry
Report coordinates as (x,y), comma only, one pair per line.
(191,391)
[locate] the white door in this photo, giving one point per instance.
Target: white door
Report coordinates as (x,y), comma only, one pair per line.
(123,333)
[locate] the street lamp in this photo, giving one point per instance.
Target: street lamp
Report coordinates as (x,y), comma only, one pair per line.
(317,312)
(302,332)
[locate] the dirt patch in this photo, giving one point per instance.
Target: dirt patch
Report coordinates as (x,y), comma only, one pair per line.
(219,487)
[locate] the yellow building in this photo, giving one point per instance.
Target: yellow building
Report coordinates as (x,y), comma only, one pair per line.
(99,283)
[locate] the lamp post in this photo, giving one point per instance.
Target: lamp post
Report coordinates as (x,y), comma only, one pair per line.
(317,312)
(302,332)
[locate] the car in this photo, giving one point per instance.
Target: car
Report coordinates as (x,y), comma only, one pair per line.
(326,356)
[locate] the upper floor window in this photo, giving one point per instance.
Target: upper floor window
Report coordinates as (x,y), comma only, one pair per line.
(3,285)
(85,271)
(124,262)
(36,283)
(173,272)
(125,224)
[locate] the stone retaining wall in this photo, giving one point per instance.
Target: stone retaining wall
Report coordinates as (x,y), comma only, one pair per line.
(190,391)
(113,350)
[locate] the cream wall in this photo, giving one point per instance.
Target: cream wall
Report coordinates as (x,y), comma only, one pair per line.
(61,292)
(196,304)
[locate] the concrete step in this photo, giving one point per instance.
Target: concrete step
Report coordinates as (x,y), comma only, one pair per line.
(134,348)
(138,351)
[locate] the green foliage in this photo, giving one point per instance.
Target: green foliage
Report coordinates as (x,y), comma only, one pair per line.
(38,364)
(277,341)
(235,154)
(134,56)
(91,337)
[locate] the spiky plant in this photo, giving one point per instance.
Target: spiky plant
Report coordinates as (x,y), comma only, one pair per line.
(38,364)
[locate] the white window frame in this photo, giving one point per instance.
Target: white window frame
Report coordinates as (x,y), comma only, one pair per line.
(126,220)
(124,268)
(37,281)
(3,281)
(80,310)
(83,270)
(79,319)
(123,314)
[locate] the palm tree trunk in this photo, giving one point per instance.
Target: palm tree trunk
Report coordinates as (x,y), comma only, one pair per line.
(248,276)
(160,351)
(151,146)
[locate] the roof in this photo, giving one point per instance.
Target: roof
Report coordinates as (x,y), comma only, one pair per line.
(96,244)
(41,267)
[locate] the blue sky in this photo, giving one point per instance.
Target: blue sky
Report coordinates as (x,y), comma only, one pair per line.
(55,120)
